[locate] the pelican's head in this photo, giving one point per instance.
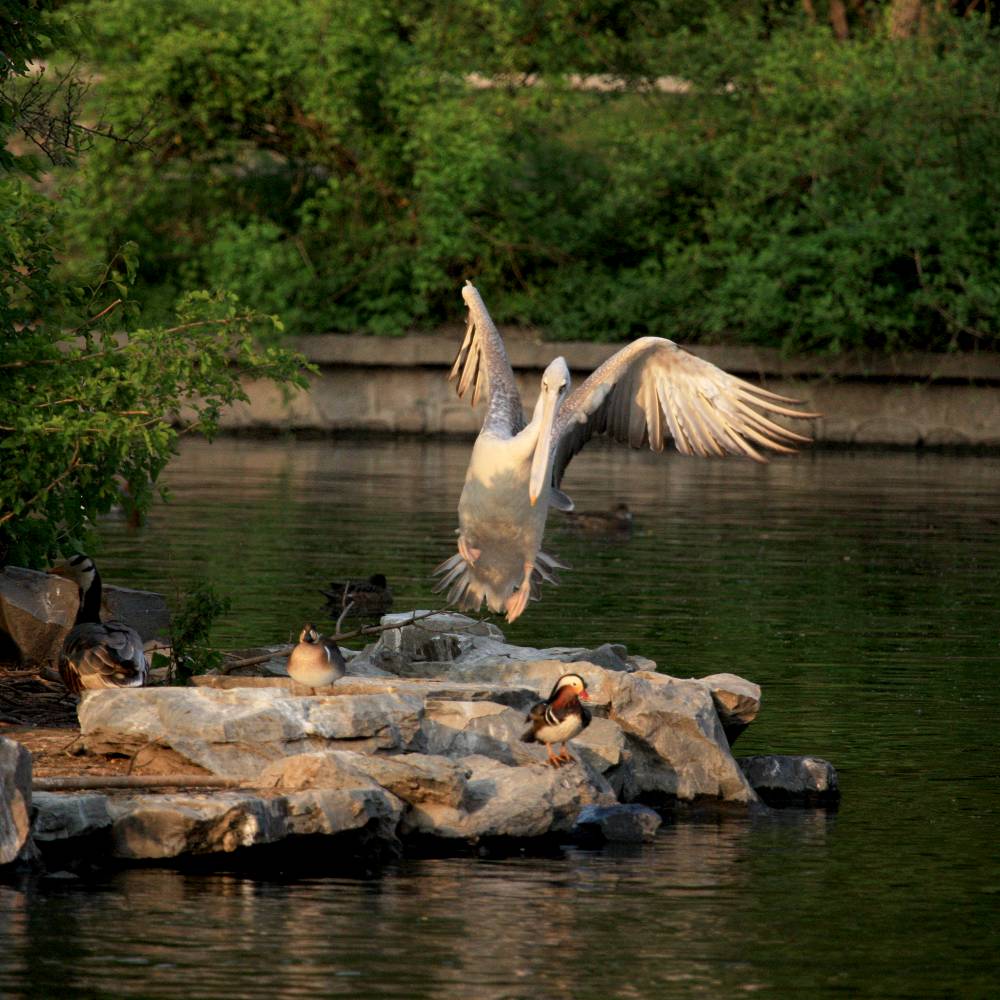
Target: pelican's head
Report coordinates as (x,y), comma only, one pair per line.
(555,383)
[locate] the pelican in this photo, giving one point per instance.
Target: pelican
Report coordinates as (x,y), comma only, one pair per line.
(647,392)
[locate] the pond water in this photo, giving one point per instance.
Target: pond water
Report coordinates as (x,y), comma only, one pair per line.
(861,590)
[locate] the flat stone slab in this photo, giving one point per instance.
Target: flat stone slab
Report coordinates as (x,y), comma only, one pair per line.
(166,826)
(237,732)
(426,687)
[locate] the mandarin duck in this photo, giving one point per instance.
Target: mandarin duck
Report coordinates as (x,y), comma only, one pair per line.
(559,718)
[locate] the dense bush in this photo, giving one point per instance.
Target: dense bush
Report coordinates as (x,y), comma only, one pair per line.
(92,399)
(330,160)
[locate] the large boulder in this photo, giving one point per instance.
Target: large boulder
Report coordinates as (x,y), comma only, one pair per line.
(519,802)
(36,613)
(737,701)
(15,802)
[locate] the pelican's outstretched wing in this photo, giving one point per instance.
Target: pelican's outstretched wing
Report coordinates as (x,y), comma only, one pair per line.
(652,390)
(482,363)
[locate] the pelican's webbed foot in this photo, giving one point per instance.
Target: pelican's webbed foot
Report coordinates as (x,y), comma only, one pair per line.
(518,601)
(468,552)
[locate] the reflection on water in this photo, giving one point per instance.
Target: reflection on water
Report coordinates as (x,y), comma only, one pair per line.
(861,590)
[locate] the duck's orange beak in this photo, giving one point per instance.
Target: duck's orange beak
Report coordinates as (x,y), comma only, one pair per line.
(584,696)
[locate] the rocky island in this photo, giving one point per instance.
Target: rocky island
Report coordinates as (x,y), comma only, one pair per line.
(419,744)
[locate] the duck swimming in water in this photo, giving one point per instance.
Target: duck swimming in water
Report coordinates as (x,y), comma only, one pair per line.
(97,654)
(316,661)
(617,521)
(359,598)
(559,718)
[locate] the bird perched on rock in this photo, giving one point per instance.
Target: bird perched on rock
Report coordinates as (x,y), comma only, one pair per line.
(316,661)
(560,718)
(97,654)
(360,598)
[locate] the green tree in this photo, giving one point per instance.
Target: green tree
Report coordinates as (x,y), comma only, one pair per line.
(92,400)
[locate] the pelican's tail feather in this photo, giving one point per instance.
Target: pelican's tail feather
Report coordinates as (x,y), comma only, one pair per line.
(457,579)
(545,570)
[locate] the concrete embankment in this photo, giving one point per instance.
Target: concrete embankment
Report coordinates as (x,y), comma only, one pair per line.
(400,385)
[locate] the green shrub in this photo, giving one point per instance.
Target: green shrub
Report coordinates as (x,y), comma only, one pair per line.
(329,161)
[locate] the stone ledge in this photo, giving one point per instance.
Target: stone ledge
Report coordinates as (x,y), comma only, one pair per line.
(400,386)
(527,350)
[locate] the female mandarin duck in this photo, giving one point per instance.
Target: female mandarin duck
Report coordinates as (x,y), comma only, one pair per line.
(97,654)
(316,661)
(560,718)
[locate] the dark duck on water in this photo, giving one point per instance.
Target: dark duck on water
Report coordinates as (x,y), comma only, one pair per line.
(559,718)
(359,598)
(97,654)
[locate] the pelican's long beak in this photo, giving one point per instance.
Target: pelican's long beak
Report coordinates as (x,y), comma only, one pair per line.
(543,447)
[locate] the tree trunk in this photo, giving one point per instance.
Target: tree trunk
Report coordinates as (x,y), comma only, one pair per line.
(904,18)
(838,18)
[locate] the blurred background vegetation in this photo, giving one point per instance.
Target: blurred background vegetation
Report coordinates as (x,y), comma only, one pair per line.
(813,175)
(807,174)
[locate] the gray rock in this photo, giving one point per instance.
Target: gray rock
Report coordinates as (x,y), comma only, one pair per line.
(63,816)
(789,780)
(737,701)
(431,647)
(505,801)
(625,824)
(419,687)
(15,802)
(419,779)
(36,612)
(461,728)
(676,741)
(439,638)
(237,732)
(144,610)
(167,826)
(672,745)
(602,745)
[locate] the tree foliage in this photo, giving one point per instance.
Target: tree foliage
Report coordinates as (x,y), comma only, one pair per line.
(341,161)
(92,399)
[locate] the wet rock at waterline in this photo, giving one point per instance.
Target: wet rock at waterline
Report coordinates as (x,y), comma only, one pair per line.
(15,803)
(145,826)
(623,824)
(37,610)
(781,779)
